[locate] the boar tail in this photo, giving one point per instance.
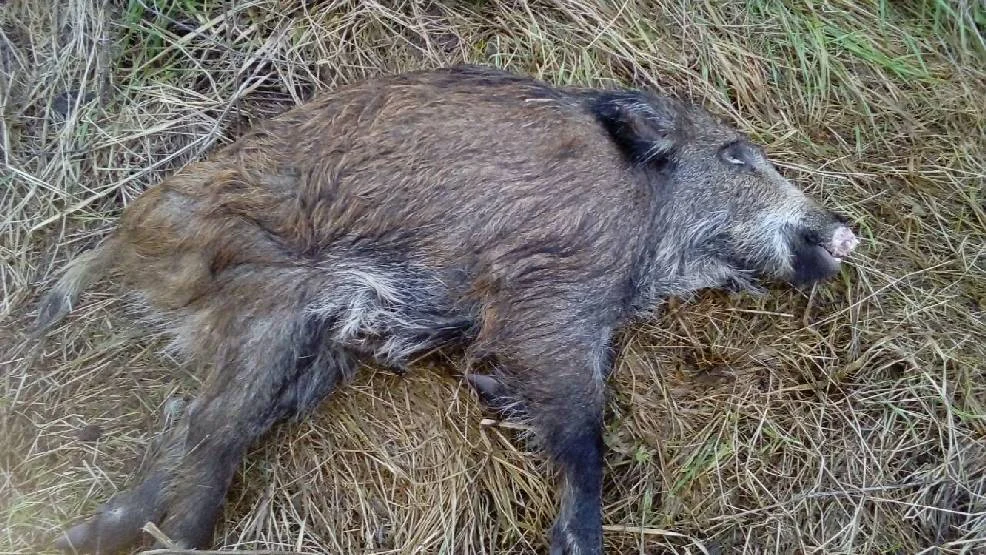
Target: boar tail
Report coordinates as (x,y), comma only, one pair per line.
(79,274)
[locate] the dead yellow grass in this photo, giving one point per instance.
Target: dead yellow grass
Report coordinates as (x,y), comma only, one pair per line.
(848,420)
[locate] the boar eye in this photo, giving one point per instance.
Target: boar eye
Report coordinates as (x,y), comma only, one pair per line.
(734,154)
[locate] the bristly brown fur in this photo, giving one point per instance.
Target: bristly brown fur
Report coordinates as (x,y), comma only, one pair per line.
(464,206)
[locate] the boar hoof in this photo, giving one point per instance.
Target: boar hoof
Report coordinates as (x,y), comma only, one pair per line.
(184,508)
(118,522)
(496,396)
(570,538)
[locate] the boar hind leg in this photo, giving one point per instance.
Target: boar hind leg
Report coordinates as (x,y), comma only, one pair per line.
(282,375)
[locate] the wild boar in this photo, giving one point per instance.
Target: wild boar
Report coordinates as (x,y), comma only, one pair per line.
(464,206)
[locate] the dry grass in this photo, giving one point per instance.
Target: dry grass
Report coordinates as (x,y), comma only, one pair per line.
(851,419)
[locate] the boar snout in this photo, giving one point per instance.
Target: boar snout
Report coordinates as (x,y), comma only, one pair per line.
(820,247)
(842,242)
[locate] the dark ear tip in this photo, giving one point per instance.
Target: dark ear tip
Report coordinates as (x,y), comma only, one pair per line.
(611,109)
(638,123)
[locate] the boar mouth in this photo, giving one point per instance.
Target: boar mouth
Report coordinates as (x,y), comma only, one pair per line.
(813,259)
(831,253)
(840,243)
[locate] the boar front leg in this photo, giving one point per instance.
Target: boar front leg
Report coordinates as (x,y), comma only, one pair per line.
(572,430)
(560,382)
(186,479)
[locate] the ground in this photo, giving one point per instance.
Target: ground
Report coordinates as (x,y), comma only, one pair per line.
(850,418)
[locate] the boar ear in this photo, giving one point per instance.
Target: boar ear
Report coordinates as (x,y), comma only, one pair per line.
(643,127)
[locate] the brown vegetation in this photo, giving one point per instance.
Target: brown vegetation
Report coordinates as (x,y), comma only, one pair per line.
(848,420)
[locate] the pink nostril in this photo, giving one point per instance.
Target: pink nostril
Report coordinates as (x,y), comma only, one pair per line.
(843,241)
